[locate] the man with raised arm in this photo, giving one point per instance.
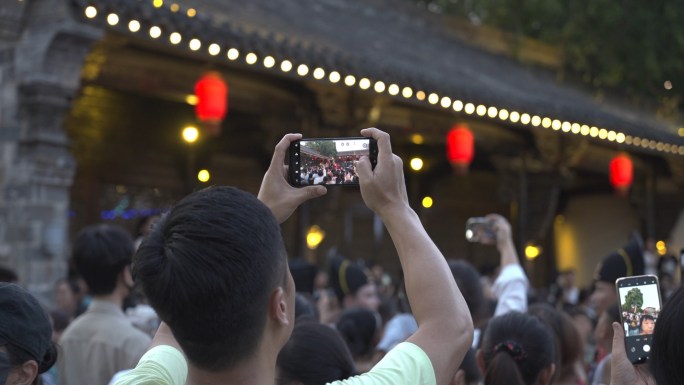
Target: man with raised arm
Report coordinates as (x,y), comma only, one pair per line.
(215,270)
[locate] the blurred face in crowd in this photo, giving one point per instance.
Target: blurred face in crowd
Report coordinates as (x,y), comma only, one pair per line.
(604,332)
(604,294)
(366,296)
(65,298)
(647,326)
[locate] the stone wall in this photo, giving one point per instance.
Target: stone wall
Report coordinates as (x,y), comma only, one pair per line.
(41,54)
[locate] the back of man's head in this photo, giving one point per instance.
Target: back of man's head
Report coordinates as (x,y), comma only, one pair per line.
(100,253)
(208,269)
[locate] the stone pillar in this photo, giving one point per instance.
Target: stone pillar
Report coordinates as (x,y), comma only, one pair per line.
(42,49)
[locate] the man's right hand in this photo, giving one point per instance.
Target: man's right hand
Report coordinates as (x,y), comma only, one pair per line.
(622,371)
(383,189)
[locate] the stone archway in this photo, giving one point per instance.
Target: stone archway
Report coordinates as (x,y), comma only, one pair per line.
(42,49)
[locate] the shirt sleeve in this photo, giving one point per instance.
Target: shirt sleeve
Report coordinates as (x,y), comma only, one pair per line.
(406,364)
(161,365)
(511,290)
(398,329)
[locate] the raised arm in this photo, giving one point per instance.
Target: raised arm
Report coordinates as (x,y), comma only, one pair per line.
(511,285)
(276,193)
(445,329)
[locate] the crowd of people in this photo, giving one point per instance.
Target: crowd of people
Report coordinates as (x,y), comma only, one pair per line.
(218,301)
(321,171)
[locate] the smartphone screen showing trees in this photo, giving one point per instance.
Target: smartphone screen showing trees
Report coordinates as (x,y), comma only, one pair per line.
(331,161)
(640,308)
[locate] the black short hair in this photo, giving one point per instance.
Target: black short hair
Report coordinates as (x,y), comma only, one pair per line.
(468,281)
(8,275)
(315,354)
(668,350)
(359,328)
(569,345)
(100,252)
(208,269)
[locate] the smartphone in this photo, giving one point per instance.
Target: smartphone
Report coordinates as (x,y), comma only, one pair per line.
(640,305)
(329,161)
(480,229)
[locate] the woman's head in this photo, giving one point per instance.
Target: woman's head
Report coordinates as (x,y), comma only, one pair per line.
(315,354)
(568,340)
(517,349)
(360,329)
(26,347)
(352,286)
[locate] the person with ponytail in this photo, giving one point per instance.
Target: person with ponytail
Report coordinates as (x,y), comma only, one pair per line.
(26,347)
(517,349)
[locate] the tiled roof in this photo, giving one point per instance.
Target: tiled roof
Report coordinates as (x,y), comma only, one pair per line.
(388,41)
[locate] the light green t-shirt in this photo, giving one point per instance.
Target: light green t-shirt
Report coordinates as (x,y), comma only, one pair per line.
(406,364)
(161,365)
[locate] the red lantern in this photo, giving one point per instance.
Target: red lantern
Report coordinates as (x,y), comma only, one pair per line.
(212,101)
(621,173)
(460,148)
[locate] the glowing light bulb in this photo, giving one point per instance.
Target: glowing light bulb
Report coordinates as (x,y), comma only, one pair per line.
(349,80)
(417,139)
(112,19)
(155,32)
(214,49)
(445,102)
(469,108)
(416,164)
(91,12)
(134,26)
(269,62)
(302,70)
(203,176)
(195,44)
(286,66)
(233,54)
(190,134)
(407,92)
(175,38)
(319,73)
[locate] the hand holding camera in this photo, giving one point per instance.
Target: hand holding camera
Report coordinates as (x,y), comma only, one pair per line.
(382,188)
(276,192)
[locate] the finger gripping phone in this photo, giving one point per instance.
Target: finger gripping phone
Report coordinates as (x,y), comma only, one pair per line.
(329,161)
(640,305)
(479,229)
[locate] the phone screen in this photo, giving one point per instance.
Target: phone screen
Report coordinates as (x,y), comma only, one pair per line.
(330,161)
(479,229)
(639,307)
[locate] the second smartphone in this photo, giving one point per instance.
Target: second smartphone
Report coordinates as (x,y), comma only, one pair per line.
(640,306)
(329,161)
